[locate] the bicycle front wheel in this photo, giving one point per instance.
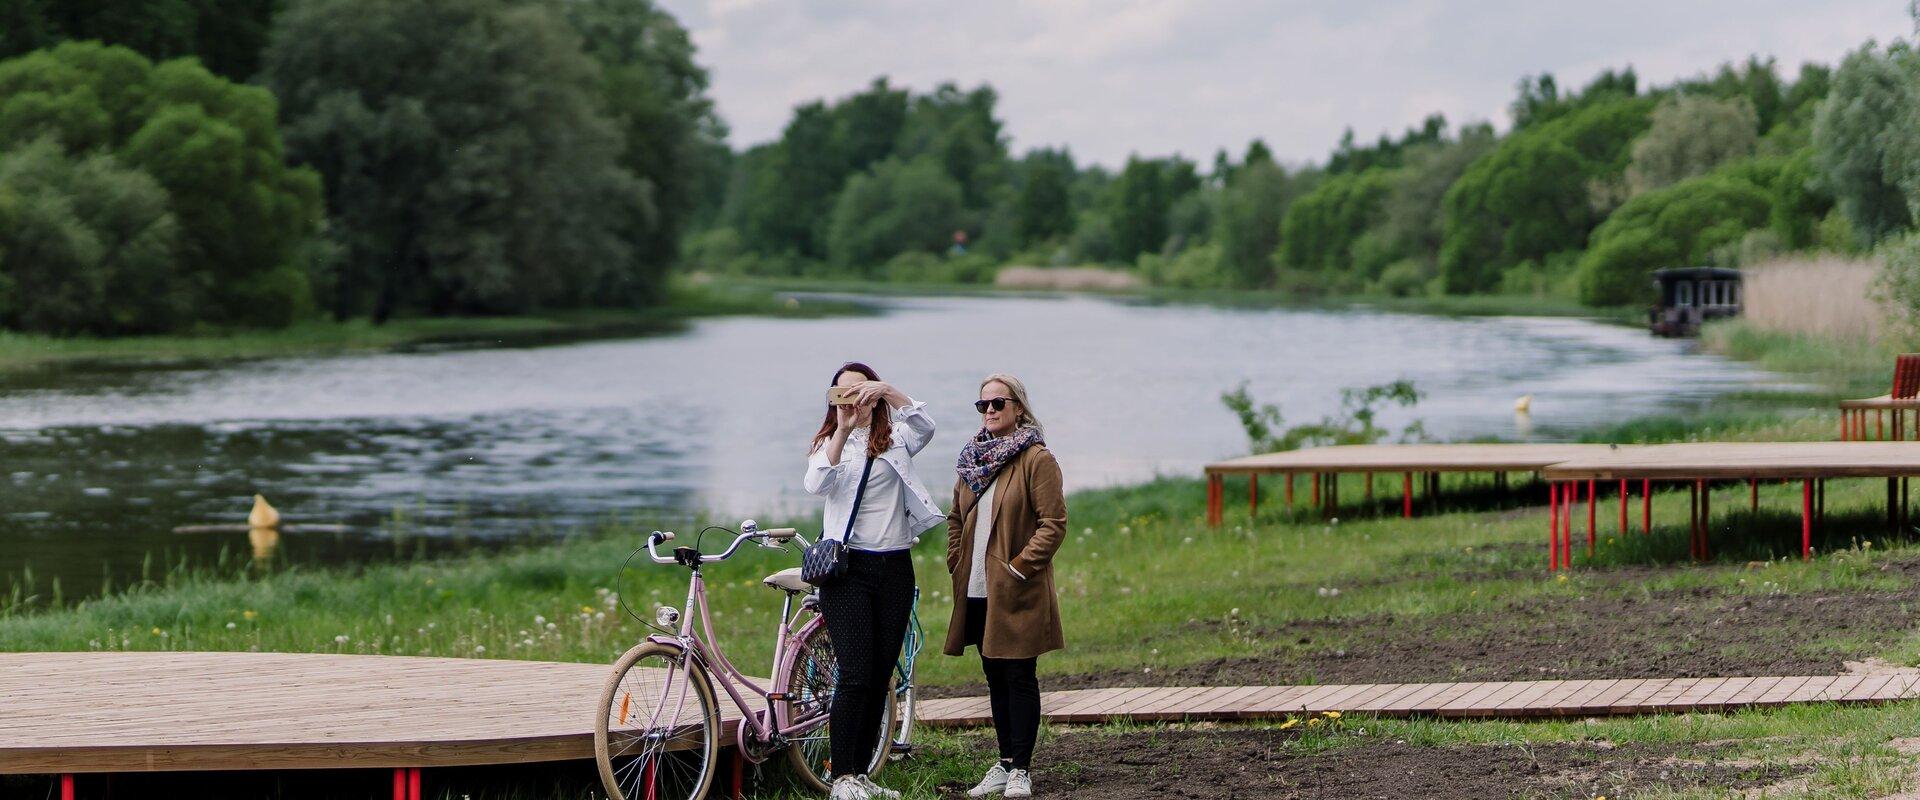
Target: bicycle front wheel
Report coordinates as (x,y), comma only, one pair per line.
(810,688)
(657,735)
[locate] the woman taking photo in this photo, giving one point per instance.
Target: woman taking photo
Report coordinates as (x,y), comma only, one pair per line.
(1008,519)
(862,462)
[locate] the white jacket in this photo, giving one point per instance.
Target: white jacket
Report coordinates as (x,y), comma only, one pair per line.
(912,430)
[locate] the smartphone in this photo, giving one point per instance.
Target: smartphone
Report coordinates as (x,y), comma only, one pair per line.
(839,396)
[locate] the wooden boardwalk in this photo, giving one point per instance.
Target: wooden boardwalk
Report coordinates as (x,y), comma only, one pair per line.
(132,712)
(111,712)
(1513,699)
(1426,460)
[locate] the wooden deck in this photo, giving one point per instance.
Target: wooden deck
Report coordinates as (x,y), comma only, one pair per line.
(1744,461)
(1409,458)
(130,712)
(112,712)
(1516,699)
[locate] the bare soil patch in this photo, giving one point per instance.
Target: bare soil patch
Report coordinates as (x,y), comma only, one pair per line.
(1616,632)
(1262,763)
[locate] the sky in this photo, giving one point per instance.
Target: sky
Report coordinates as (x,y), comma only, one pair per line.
(1110,78)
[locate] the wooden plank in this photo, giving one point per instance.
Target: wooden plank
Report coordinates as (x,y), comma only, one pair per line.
(1408,458)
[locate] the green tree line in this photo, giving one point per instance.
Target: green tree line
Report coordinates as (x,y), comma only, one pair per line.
(184,164)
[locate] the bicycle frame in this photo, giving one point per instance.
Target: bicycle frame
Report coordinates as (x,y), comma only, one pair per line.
(702,647)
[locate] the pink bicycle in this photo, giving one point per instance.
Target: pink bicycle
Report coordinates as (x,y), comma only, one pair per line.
(657,736)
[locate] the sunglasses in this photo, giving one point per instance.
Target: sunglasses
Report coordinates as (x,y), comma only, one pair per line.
(997,404)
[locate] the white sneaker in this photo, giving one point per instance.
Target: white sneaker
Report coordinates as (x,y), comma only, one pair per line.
(1019,783)
(849,787)
(994,783)
(876,790)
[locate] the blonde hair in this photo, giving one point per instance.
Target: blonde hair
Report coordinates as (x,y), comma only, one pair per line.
(1019,391)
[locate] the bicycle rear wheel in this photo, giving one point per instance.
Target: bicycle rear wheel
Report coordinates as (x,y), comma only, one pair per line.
(657,735)
(810,688)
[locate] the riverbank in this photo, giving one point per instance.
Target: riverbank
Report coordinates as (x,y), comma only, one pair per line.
(1488,305)
(685,301)
(1152,596)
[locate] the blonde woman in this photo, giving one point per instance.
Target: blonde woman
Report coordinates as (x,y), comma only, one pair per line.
(1009,517)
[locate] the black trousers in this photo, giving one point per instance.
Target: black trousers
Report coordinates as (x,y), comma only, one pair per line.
(867,611)
(1012,689)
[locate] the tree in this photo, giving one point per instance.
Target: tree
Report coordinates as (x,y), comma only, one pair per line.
(1044,211)
(1529,198)
(958,129)
(88,246)
(1675,226)
(1140,199)
(246,219)
(1321,227)
(226,35)
(900,207)
(1247,221)
(456,189)
(672,138)
(1858,133)
(1690,135)
(1410,219)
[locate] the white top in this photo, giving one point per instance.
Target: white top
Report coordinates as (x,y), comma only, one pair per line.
(912,430)
(982,530)
(882,523)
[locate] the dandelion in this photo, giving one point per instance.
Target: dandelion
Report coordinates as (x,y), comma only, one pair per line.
(250,615)
(1188,540)
(1868,544)
(479,648)
(551,626)
(586,609)
(1333,715)
(1315,722)
(599,615)
(341,639)
(232,625)
(157,631)
(1290,724)
(1562,579)
(539,620)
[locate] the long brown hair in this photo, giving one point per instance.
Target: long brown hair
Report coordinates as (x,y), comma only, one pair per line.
(879,433)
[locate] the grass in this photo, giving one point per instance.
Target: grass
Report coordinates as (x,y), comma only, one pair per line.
(1821,295)
(20,351)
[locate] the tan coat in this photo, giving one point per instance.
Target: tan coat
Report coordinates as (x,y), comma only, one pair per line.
(1029,525)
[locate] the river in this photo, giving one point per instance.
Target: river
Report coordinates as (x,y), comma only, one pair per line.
(436,450)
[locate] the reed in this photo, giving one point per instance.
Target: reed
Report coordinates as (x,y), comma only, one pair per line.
(1083,279)
(1817,294)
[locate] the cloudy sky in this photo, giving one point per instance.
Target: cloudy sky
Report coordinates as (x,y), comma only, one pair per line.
(1113,77)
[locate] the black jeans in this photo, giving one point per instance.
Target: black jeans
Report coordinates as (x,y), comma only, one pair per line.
(867,611)
(1013,690)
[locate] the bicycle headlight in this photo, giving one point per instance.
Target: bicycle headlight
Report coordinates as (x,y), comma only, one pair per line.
(667,616)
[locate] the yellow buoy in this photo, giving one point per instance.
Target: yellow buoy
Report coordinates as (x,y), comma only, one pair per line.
(1524,404)
(263,514)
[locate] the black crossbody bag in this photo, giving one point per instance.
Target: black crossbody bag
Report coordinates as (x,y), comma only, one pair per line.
(826,561)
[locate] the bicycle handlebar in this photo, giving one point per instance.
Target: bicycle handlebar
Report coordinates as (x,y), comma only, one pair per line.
(776,536)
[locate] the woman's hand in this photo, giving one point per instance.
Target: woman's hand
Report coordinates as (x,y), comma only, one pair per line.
(844,417)
(865,393)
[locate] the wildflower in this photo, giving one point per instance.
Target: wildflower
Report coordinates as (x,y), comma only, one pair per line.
(1290,724)
(341,639)
(232,625)
(1868,544)
(586,609)
(598,615)
(539,620)
(157,631)
(250,615)
(429,581)
(1333,715)
(479,648)
(1562,579)
(1315,722)
(551,626)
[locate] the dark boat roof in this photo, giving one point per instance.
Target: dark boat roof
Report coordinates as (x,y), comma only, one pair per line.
(1694,273)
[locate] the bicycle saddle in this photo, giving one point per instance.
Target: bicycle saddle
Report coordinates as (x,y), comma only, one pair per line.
(789,580)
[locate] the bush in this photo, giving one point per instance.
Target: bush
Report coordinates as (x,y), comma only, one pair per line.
(87,246)
(1690,135)
(1404,278)
(1321,227)
(1680,225)
(717,250)
(1529,198)
(1202,267)
(212,146)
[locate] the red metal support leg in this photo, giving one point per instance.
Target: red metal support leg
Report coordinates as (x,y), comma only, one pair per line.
(1593,506)
(1406,495)
(1553,524)
(1706,521)
(1623,508)
(1646,507)
(399,783)
(737,782)
(1253,496)
(1806,519)
(1753,492)
(1693,520)
(66,787)
(1216,486)
(413,783)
